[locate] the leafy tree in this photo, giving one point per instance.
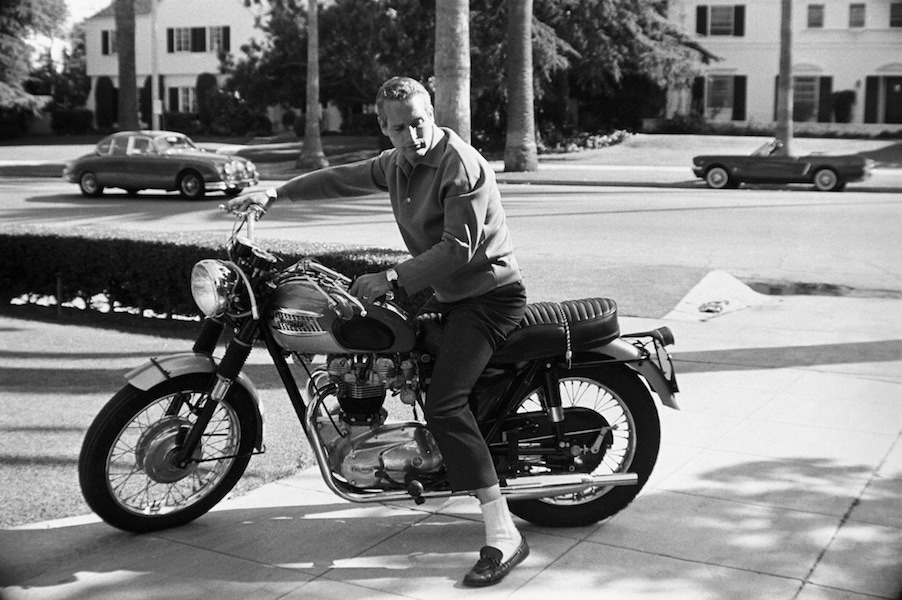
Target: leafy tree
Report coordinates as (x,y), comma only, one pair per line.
(19,20)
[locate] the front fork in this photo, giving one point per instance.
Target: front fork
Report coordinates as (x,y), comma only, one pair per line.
(226,372)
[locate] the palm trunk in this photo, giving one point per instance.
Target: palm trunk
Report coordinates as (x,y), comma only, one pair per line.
(520,153)
(312,155)
(452,66)
(125,52)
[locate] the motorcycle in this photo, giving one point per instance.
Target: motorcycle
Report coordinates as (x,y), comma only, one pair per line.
(564,405)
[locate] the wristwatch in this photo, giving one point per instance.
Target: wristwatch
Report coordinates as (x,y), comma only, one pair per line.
(392,277)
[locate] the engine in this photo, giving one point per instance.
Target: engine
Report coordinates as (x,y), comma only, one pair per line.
(365,451)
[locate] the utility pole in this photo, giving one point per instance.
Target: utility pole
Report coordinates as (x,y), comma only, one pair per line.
(784,83)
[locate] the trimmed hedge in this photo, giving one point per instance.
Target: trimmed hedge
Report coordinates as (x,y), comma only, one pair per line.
(146,270)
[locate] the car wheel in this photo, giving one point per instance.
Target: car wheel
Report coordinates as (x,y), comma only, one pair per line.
(132,191)
(718,178)
(88,184)
(826,180)
(191,185)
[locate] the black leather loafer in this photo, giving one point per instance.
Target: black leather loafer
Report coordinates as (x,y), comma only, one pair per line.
(489,569)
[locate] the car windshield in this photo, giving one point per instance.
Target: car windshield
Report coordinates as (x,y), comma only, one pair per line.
(768,148)
(174,143)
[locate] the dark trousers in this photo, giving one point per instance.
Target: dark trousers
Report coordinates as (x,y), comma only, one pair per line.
(473,329)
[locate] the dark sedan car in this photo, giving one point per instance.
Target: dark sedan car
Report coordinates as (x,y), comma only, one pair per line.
(766,165)
(160,160)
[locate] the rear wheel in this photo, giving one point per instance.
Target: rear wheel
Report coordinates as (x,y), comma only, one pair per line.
(827,180)
(622,400)
(127,470)
(88,184)
(191,185)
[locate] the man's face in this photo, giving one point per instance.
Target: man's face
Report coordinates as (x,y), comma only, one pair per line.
(410,126)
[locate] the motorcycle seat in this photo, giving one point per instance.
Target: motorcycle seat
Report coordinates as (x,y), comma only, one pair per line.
(592,322)
(543,332)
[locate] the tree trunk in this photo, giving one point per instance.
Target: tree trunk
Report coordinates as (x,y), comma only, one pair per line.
(452,66)
(125,52)
(520,152)
(312,155)
(784,82)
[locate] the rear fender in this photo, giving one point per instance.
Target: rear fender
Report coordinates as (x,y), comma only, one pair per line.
(159,370)
(640,362)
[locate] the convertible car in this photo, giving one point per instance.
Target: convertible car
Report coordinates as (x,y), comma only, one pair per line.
(162,160)
(765,165)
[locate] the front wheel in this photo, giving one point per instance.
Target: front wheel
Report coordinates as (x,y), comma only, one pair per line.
(88,184)
(718,178)
(191,185)
(619,396)
(127,470)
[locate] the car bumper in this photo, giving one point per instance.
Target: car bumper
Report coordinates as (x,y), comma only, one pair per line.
(231,184)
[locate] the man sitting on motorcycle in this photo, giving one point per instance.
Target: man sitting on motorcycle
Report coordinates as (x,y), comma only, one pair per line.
(448,208)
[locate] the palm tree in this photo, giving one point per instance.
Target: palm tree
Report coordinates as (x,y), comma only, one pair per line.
(452,65)
(520,153)
(125,51)
(312,155)
(784,82)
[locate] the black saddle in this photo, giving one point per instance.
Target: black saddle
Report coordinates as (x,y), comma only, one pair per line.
(547,329)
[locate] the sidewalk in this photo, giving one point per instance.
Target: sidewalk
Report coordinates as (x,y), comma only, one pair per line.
(780,479)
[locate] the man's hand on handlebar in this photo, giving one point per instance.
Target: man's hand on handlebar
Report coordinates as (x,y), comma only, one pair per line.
(243,202)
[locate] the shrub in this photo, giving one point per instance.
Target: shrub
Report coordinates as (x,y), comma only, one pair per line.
(145,271)
(72,120)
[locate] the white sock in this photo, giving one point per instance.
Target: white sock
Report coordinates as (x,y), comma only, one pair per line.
(500,531)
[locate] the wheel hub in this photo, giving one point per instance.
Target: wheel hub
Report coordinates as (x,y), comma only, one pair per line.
(158,447)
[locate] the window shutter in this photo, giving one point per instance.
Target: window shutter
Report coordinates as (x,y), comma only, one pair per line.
(825,100)
(104,42)
(173,99)
(170,40)
(739,20)
(226,43)
(701,20)
(739,83)
(871,98)
(698,96)
(198,39)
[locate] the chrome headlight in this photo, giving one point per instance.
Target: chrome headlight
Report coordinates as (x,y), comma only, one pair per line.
(211,284)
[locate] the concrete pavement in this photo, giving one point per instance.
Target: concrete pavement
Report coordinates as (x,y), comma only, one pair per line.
(779,479)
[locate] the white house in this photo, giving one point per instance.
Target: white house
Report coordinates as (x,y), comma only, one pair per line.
(851,46)
(189,35)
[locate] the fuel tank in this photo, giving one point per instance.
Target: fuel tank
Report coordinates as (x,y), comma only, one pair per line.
(302,320)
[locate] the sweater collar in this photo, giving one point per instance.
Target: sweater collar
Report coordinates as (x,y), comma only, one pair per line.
(431,158)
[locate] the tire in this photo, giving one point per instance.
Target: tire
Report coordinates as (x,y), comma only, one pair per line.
(619,395)
(87,182)
(231,193)
(719,178)
(131,192)
(191,185)
(827,180)
(123,469)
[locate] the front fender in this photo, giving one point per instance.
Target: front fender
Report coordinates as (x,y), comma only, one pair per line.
(628,353)
(159,370)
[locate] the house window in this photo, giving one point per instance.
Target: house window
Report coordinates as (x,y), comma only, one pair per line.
(856,15)
(720,20)
(186,39)
(804,99)
(895,14)
(108,42)
(219,39)
(815,16)
(719,95)
(187,100)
